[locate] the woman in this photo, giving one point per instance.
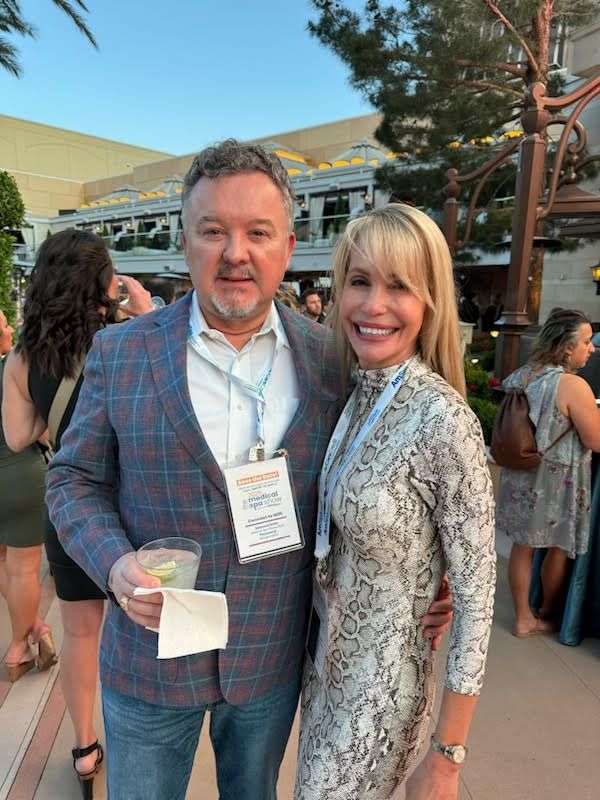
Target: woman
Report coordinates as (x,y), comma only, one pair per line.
(407,490)
(73,289)
(21,538)
(550,506)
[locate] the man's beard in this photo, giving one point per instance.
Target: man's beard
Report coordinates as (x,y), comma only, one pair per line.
(237,306)
(234,308)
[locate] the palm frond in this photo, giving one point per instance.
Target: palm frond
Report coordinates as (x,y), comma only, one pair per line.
(11,19)
(9,58)
(76,17)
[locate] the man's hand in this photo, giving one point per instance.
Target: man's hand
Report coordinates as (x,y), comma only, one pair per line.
(436,778)
(439,615)
(139,298)
(125,575)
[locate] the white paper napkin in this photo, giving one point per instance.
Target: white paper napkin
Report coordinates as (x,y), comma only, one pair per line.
(191,621)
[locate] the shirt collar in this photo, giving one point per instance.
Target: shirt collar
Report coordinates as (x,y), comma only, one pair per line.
(272,324)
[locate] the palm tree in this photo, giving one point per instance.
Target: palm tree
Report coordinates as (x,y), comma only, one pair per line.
(12,22)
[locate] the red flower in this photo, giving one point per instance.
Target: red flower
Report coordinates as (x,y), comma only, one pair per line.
(472,387)
(493,382)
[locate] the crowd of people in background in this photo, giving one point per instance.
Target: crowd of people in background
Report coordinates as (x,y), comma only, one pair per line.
(312,303)
(470,310)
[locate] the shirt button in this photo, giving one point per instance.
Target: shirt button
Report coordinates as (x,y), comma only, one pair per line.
(239,407)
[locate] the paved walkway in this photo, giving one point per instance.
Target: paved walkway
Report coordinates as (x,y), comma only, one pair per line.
(536,734)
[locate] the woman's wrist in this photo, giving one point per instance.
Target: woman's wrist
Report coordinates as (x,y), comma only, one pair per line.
(441,765)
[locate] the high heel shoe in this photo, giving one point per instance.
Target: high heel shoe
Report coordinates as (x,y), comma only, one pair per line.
(16,671)
(86,779)
(47,652)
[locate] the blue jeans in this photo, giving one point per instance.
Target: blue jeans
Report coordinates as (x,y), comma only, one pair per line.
(150,749)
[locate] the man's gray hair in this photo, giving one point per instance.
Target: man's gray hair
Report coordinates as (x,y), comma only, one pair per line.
(231,157)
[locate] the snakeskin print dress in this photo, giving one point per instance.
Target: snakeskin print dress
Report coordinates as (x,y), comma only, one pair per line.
(416,500)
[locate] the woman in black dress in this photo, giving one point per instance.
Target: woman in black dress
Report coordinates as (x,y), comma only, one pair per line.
(73,290)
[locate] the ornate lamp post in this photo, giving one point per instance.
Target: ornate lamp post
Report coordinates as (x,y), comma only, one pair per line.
(563,199)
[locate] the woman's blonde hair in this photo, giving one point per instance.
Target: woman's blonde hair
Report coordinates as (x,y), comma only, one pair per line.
(405,244)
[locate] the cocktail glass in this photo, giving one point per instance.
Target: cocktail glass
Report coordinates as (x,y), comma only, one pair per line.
(175,560)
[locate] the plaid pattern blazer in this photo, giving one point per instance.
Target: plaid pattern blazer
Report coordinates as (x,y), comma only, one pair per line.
(134,466)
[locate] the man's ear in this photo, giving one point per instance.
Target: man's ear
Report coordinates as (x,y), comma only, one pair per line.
(291,245)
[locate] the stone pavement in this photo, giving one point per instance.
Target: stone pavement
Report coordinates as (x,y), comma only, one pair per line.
(536,734)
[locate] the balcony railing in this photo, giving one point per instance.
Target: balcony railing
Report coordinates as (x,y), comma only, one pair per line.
(137,243)
(310,232)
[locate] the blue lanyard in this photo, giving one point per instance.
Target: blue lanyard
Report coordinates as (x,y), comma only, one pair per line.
(254,391)
(327,483)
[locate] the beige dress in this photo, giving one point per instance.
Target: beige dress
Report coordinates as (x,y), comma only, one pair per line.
(416,500)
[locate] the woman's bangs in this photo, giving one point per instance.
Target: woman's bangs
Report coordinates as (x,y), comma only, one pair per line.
(395,253)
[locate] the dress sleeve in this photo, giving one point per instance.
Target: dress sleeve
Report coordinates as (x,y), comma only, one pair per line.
(464,517)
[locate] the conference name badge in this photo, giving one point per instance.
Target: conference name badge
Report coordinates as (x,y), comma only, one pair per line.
(263,509)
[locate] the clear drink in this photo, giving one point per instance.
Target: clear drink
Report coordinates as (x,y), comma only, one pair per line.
(123,296)
(175,560)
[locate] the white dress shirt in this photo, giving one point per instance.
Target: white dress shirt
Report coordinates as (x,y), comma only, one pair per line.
(225,413)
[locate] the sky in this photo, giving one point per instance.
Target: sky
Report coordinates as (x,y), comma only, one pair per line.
(176,75)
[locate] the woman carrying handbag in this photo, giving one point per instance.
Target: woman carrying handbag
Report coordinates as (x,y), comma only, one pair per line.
(549,506)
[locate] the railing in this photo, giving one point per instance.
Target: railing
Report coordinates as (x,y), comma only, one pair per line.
(160,241)
(22,252)
(311,232)
(320,231)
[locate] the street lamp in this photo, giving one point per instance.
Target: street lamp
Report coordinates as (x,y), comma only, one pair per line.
(596,277)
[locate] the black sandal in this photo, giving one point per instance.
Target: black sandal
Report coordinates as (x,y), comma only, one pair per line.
(86,779)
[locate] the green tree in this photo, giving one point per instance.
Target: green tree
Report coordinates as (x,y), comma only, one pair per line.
(439,69)
(7,304)
(12,22)
(448,77)
(12,212)
(12,208)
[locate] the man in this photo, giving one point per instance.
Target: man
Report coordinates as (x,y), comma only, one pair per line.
(468,309)
(310,305)
(164,409)
(491,313)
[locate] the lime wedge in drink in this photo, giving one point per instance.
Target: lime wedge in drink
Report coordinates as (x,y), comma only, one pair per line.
(163,571)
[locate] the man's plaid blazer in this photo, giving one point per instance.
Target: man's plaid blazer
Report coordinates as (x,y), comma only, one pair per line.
(134,466)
